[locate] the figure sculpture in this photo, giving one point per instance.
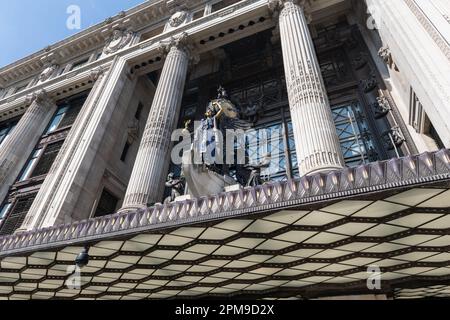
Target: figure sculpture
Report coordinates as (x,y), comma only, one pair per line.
(176,185)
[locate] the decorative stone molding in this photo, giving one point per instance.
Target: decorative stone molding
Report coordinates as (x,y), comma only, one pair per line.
(386,55)
(119,40)
(40,97)
(369,84)
(429,27)
(381,107)
(96,73)
(277,7)
(181,43)
(360,61)
(370,178)
(178,18)
(49,70)
(394,138)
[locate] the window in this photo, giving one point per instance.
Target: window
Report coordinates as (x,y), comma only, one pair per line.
(4,211)
(26,172)
(356,144)
(222,4)
(5,131)
(107,204)
(65,115)
(416,113)
(17,214)
(21,88)
(79,64)
(54,124)
(41,161)
(198,14)
(123,157)
(139,111)
(435,136)
(47,158)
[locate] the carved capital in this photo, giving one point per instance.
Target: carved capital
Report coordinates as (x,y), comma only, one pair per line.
(40,97)
(180,42)
(96,73)
(278,7)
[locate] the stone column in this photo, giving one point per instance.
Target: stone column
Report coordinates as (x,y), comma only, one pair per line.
(56,199)
(17,148)
(316,140)
(148,177)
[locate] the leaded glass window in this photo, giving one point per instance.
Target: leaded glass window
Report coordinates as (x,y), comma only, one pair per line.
(353,133)
(14,219)
(65,115)
(46,160)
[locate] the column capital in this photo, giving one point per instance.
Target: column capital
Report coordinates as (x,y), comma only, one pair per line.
(277,6)
(181,42)
(40,97)
(96,73)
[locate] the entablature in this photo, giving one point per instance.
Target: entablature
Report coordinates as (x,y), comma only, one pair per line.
(214,29)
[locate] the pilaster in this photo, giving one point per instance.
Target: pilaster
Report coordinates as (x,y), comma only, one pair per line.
(15,151)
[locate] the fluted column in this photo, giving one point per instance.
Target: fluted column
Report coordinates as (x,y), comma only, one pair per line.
(15,151)
(148,177)
(316,140)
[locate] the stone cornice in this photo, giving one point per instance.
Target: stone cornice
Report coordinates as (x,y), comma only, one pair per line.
(149,45)
(139,17)
(132,53)
(53,86)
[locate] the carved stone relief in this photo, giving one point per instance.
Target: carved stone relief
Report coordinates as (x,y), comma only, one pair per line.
(119,40)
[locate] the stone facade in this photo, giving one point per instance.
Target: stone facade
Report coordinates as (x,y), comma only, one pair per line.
(121,138)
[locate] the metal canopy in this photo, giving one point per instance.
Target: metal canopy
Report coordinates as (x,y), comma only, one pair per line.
(307,238)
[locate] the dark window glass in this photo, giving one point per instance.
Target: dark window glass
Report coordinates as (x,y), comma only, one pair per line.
(17,215)
(5,130)
(436,137)
(71,114)
(223,4)
(46,160)
(79,64)
(4,210)
(28,169)
(107,204)
(123,157)
(139,111)
(66,115)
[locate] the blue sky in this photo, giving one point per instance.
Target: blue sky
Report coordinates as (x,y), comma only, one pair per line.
(27,26)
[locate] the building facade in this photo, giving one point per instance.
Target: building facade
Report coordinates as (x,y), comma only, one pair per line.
(355,96)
